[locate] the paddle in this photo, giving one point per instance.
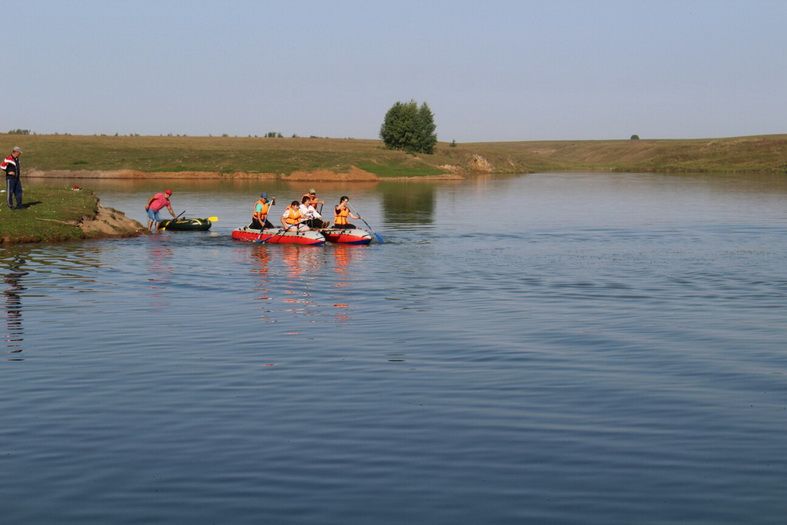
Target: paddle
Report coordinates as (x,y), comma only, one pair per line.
(173,220)
(377,236)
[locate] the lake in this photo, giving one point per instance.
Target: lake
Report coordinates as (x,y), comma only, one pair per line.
(546,348)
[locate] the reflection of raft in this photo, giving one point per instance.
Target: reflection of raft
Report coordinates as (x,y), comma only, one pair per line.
(351,236)
(278,236)
(184,225)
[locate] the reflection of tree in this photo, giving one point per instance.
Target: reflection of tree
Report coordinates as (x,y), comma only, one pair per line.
(13,303)
(408,203)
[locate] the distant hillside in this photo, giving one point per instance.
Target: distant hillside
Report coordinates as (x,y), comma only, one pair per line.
(282,156)
(739,154)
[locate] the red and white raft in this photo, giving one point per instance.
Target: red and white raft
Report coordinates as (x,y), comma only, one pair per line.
(278,236)
(351,236)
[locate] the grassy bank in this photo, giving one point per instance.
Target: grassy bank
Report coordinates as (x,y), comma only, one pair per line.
(50,215)
(286,155)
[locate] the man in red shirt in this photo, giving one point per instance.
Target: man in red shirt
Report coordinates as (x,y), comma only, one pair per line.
(154,205)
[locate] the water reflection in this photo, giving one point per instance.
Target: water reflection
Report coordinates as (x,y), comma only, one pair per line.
(160,269)
(262,258)
(288,274)
(301,265)
(343,257)
(13,303)
(408,203)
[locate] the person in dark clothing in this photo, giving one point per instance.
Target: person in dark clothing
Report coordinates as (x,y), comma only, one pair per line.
(13,178)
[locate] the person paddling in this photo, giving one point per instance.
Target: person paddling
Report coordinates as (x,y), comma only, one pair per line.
(341,212)
(259,218)
(292,218)
(313,199)
(154,205)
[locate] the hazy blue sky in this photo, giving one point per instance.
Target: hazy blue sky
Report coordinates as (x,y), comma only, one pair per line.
(490,70)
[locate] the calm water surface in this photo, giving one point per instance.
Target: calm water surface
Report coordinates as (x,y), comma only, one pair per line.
(562,348)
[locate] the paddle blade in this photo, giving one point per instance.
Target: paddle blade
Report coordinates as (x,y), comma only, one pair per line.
(378,238)
(213,219)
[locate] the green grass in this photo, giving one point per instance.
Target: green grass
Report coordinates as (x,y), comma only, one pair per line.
(282,156)
(44,217)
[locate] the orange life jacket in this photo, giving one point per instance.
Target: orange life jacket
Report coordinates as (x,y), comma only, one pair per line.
(293,216)
(264,212)
(341,217)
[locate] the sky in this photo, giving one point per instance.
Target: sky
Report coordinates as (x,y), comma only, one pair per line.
(490,70)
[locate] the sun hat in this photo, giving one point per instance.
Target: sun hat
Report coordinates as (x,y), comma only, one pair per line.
(312,190)
(264,195)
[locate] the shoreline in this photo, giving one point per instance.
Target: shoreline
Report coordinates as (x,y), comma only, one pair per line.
(352,175)
(60,215)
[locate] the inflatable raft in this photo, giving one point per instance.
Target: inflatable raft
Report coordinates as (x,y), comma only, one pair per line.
(184,225)
(278,236)
(351,236)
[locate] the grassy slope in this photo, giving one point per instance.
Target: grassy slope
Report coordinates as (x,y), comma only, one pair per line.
(744,154)
(230,154)
(43,219)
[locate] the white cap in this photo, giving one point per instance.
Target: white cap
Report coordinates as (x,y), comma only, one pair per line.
(17,148)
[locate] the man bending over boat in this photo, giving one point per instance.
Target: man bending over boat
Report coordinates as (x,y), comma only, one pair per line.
(154,206)
(259,218)
(292,219)
(340,214)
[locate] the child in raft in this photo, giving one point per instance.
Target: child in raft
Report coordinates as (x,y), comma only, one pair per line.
(292,218)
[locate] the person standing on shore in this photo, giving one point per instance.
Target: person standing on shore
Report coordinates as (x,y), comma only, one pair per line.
(13,178)
(154,205)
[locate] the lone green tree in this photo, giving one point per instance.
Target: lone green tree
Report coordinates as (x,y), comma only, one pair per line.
(409,128)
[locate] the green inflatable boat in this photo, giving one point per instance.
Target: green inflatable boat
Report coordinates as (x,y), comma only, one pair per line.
(185,224)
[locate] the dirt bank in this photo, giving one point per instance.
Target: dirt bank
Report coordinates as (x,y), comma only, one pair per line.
(135,174)
(354,174)
(109,222)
